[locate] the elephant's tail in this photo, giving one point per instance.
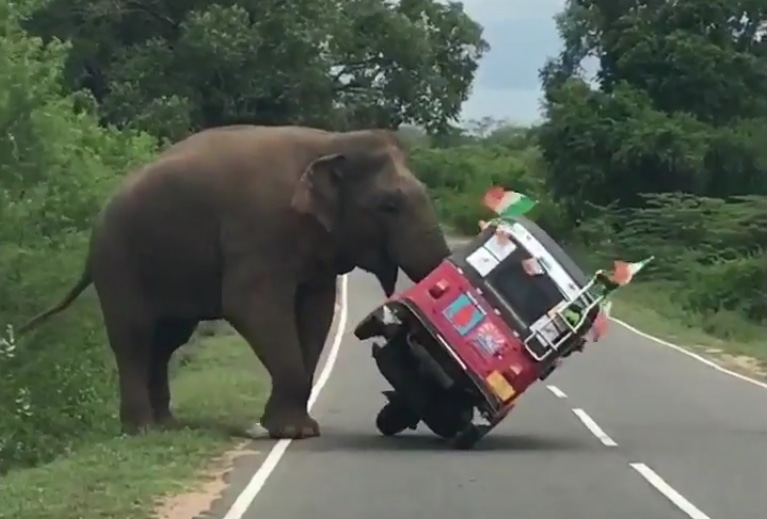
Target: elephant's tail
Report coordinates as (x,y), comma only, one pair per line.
(74,292)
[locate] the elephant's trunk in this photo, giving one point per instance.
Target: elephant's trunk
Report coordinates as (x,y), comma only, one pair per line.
(418,251)
(387,277)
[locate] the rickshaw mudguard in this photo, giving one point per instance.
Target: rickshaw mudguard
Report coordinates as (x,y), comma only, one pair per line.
(384,319)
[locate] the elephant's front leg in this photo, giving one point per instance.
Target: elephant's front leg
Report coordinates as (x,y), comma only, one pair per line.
(262,311)
(315,306)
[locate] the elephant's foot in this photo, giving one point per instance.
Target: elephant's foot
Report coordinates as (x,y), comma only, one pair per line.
(291,426)
(136,420)
(166,420)
(134,429)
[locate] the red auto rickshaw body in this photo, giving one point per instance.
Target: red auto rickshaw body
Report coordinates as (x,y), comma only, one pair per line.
(475,333)
(471,337)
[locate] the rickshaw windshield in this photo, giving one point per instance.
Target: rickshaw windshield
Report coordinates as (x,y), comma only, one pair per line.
(530,297)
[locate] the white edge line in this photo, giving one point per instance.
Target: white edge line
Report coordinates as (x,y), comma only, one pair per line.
(692,355)
(557,392)
(257,481)
(594,428)
(668,491)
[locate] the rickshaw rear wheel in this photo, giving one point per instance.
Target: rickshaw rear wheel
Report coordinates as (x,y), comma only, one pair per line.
(447,422)
(468,438)
(395,417)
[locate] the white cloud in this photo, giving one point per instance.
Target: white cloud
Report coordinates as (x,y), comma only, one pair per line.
(522,35)
(500,10)
(520,106)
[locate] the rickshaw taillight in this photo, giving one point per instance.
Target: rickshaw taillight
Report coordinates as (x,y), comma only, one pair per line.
(439,289)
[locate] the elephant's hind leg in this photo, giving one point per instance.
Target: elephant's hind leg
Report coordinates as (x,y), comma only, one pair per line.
(263,313)
(169,335)
(131,341)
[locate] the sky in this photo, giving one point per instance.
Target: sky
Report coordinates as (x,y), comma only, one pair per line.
(521,34)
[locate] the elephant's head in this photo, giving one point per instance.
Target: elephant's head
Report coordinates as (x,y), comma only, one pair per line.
(377,212)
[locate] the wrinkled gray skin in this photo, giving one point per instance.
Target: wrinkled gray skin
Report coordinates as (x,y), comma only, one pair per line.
(251,225)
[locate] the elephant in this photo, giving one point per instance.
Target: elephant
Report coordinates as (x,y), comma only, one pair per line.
(252,225)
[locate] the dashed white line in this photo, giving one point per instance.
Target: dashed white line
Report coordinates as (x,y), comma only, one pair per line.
(557,392)
(594,428)
(256,483)
(668,491)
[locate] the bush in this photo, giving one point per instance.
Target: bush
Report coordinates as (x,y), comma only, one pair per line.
(56,166)
(713,252)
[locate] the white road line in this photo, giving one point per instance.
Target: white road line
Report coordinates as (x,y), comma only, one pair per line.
(668,491)
(685,351)
(256,483)
(594,428)
(690,354)
(557,392)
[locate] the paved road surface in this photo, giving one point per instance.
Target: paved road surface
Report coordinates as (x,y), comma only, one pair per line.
(704,433)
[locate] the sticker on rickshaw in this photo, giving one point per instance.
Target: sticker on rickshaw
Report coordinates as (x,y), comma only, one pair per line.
(487,338)
(463,314)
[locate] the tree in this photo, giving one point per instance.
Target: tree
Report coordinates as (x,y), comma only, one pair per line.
(173,67)
(678,103)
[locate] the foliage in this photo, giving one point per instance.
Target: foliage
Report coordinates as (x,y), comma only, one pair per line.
(678,103)
(56,165)
(664,151)
(341,64)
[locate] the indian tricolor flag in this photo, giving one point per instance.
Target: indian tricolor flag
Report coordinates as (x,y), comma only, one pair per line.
(624,272)
(507,203)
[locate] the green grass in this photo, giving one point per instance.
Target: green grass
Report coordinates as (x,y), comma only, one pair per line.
(219,391)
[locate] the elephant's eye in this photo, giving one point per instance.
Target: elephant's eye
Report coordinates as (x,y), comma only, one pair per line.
(389,203)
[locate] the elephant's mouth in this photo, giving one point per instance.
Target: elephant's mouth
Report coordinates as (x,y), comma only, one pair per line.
(383,268)
(343,265)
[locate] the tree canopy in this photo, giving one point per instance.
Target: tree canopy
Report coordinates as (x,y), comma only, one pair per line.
(170,67)
(679,102)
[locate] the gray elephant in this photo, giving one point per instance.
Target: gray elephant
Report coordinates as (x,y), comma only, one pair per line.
(252,225)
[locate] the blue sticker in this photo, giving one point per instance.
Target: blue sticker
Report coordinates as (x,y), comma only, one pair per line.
(463,314)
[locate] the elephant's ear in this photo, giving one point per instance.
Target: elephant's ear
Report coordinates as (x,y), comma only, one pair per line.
(317,193)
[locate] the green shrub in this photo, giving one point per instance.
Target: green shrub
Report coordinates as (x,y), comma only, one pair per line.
(56,167)
(711,252)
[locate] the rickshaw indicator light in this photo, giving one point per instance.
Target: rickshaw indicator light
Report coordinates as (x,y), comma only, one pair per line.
(439,289)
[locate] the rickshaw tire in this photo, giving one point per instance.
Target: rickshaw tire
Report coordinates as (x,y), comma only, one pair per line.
(468,438)
(393,418)
(450,427)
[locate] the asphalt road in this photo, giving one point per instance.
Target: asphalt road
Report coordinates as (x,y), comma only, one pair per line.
(660,414)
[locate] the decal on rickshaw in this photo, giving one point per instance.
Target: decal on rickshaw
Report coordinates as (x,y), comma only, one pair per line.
(464,314)
(500,248)
(483,261)
(532,267)
(487,338)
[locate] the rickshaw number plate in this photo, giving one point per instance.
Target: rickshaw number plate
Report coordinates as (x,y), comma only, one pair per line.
(501,386)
